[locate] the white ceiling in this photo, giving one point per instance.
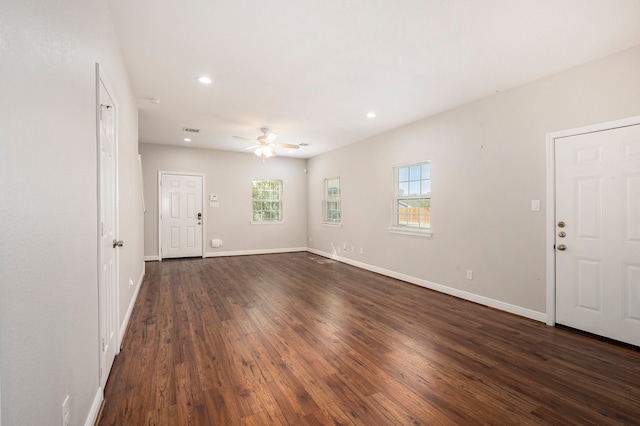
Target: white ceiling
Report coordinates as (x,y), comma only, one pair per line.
(310,70)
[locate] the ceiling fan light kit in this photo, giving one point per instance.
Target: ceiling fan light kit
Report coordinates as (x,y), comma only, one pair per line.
(265,146)
(265,152)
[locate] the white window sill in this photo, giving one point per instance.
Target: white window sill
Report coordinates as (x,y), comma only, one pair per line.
(267,222)
(332,224)
(426,233)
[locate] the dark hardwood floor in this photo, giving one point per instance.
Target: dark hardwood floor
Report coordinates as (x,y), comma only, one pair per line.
(296,339)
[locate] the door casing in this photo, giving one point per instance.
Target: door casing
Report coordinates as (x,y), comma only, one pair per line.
(551,201)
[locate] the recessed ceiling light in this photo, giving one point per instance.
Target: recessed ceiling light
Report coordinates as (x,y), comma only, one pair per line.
(371,115)
(154,100)
(205,80)
(187,139)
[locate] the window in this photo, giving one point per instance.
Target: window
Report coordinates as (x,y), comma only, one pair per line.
(412,198)
(267,200)
(332,200)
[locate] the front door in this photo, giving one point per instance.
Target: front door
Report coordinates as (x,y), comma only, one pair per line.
(107,232)
(598,233)
(181,215)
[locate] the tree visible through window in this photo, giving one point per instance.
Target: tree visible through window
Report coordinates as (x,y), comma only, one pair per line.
(332,203)
(267,200)
(413,196)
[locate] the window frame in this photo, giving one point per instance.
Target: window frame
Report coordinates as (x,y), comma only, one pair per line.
(407,228)
(330,199)
(279,200)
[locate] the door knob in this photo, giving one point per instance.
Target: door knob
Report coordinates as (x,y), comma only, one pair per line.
(118,243)
(561,247)
(562,234)
(561,224)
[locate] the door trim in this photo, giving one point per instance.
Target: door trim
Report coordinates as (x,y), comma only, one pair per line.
(101,79)
(204,216)
(551,200)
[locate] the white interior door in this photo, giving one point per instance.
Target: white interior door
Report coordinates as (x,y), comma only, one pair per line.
(181,215)
(108,229)
(598,233)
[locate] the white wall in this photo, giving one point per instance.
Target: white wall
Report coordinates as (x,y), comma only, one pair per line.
(48,256)
(228,175)
(488,163)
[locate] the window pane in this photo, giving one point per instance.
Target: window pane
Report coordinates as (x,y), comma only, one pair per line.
(401,212)
(426,171)
(403,174)
(426,187)
(414,187)
(266,196)
(414,173)
(413,196)
(332,200)
(403,188)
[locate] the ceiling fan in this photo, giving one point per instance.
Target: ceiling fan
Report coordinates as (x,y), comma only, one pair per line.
(265,144)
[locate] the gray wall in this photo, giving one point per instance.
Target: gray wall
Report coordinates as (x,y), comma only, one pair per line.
(48,209)
(228,175)
(488,163)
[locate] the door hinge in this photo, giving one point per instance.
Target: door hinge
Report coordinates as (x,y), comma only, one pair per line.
(100,374)
(103,344)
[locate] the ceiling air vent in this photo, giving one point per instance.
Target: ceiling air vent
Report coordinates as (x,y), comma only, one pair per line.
(188,129)
(304,144)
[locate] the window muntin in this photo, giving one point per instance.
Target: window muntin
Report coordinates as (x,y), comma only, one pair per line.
(412,196)
(267,200)
(332,201)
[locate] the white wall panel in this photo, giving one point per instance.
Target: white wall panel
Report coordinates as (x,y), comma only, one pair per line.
(488,162)
(48,158)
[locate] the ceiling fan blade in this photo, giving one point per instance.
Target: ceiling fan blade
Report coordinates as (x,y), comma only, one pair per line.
(244,139)
(271,137)
(285,145)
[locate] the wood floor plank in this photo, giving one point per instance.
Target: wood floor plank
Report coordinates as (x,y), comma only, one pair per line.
(296,339)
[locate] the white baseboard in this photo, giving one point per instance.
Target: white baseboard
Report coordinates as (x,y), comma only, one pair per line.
(127,316)
(95,408)
(250,252)
(482,300)
(155,257)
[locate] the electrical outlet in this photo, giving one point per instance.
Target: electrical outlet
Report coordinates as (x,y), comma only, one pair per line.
(361,250)
(65,411)
(353,249)
(344,247)
(469,274)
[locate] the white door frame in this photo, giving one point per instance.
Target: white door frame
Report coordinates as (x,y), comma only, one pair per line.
(160,174)
(101,79)
(551,200)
